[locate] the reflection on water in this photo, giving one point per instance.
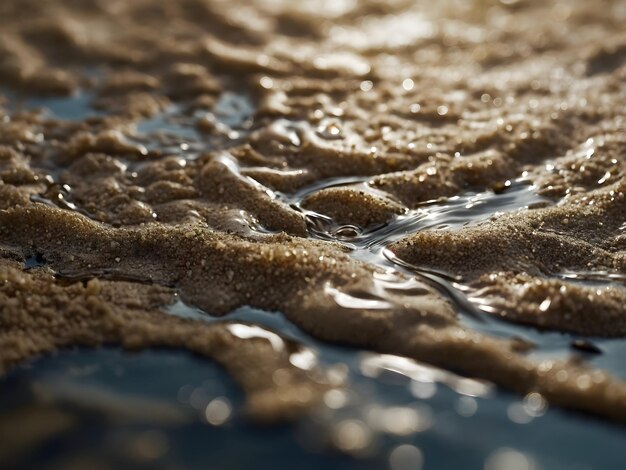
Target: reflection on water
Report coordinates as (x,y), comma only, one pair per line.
(253,331)
(376,364)
(106,407)
(233,109)
(181,132)
(454,212)
(75,108)
(389,397)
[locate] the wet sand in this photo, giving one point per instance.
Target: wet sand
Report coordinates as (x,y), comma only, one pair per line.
(357,119)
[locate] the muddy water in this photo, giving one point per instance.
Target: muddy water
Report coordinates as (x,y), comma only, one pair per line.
(395,410)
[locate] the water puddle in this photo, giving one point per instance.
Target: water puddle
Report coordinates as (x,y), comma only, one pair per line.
(98,401)
(188,133)
(74,108)
(34,261)
(297,133)
(234,110)
(594,278)
(168,125)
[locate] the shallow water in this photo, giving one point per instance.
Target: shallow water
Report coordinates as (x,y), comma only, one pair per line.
(394,408)
(394,405)
(75,108)
(455,212)
(175,132)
